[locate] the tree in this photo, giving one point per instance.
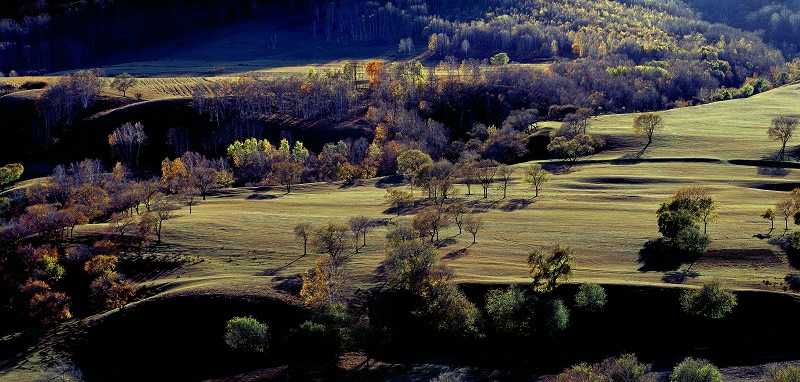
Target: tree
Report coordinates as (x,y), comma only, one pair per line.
(712,301)
(686,207)
(162,210)
(324,284)
(485,172)
(458,211)
(510,311)
(504,172)
(782,129)
(467,171)
(112,291)
(411,264)
(123,82)
(188,197)
(101,265)
(537,177)
(9,174)
(304,231)
(572,149)
(333,238)
(410,161)
(473,225)
(548,270)
(695,370)
(398,198)
(499,59)
(646,125)
(556,316)
(247,334)
(770,215)
(591,297)
(126,141)
(786,209)
(360,225)
(430,220)
(287,172)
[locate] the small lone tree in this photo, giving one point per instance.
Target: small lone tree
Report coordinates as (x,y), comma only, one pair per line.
(504,173)
(548,270)
(304,231)
(360,225)
(398,198)
(123,82)
(770,215)
(247,334)
(712,301)
(646,125)
(126,141)
(786,209)
(782,129)
(473,225)
(458,211)
(537,177)
(333,238)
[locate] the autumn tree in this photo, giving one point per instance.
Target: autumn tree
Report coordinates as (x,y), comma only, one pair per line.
(287,173)
(473,225)
(537,177)
(333,238)
(782,129)
(304,231)
(430,220)
(770,215)
(467,171)
(646,125)
(174,175)
(189,197)
(112,291)
(398,198)
(124,81)
(548,269)
(126,142)
(325,283)
(162,210)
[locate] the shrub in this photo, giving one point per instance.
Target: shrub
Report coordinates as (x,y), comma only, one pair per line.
(31,85)
(509,311)
(784,374)
(624,368)
(712,301)
(557,316)
(111,291)
(247,334)
(695,370)
(60,372)
(591,297)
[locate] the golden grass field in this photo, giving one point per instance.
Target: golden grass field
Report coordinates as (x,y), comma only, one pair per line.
(602,209)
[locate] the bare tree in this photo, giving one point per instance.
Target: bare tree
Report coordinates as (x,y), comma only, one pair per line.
(123,82)
(333,238)
(458,211)
(162,210)
(485,173)
(127,141)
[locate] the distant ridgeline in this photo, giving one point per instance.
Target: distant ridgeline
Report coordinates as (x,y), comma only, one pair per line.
(45,35)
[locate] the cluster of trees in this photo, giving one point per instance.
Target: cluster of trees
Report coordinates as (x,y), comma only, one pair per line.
(679,222)
(47,270)
(62,101)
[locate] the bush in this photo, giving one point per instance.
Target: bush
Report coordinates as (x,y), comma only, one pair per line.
(625,368)
(111,291)
(247,334)
(784,374)
(591,297)
(557,316)
(695,370)
(509,311)
(712,301)
(32,85)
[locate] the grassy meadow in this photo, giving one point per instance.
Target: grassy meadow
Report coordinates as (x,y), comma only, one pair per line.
(603,208)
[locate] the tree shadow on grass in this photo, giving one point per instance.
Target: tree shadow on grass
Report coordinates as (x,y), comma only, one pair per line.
(445,242)
(274,271)
(391,181)
(658,255)
(516,204)
(456,254)
(678,277)
(257,196)
(291,284)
